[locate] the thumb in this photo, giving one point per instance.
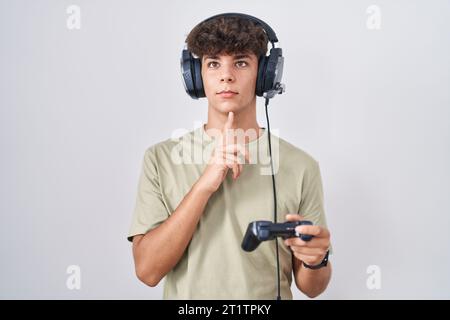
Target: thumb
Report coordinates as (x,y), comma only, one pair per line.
(294,217)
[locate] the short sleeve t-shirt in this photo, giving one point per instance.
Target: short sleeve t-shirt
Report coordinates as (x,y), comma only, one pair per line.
(214,266)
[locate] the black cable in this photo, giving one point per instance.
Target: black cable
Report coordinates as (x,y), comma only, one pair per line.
(274,199)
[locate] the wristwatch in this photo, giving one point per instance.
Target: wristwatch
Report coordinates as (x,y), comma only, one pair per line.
(320,265)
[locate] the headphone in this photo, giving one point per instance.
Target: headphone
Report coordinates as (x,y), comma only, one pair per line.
(270,68)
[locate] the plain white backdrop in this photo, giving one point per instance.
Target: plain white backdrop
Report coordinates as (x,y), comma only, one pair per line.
(367,95)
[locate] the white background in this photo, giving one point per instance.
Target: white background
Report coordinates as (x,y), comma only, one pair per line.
(79,108)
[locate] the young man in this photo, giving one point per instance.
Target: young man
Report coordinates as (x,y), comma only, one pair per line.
(191,216)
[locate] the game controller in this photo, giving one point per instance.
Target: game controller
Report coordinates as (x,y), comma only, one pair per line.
(258,231)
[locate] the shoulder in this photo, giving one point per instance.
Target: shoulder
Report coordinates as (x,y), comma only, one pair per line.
(297,157)
(163,149)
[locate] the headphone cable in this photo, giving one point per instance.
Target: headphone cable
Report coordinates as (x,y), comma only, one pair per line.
(274,199)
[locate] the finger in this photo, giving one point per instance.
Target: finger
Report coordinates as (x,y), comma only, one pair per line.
(320,243)
(233,148)
(311,260)
(231,162)
(237,170)
(234,167)
(313,243)
(295,241)
(222,158)
(309,251)
(237,149)
(230,159)
(230,119)
(316,231)
(227,132)
(294,217)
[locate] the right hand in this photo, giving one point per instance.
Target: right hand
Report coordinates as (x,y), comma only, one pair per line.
(224,157)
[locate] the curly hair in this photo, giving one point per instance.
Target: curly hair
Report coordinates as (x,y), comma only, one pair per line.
(227,35)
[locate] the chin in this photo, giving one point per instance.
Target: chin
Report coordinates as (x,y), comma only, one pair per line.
(228,106)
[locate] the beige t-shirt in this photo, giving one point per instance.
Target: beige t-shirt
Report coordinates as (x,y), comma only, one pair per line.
(214,266)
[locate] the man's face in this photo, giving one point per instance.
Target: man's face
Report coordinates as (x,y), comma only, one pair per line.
(230,80)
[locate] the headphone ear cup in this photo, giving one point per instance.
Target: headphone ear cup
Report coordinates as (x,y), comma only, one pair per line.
(271,69)
(191,70)
(198,81)
(262,63)
(187,73)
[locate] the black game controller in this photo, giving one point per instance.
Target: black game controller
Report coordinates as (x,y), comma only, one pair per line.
(262,230)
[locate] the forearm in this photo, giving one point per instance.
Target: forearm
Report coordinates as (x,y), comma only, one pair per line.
(159,250)
(312,282)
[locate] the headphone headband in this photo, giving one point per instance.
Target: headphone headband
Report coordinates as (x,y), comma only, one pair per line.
(269,31)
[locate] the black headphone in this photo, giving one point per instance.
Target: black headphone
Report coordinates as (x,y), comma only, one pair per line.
(270,68)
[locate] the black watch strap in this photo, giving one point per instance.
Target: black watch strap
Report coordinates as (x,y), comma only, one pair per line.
(320,265)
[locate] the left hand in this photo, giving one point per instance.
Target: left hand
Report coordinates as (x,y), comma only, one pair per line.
(311,252)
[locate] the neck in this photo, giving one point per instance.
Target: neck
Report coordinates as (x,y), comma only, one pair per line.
(244,119)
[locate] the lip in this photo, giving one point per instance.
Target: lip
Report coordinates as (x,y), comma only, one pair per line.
(227,94)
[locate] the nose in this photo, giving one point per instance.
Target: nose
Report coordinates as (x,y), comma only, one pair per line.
(227,75)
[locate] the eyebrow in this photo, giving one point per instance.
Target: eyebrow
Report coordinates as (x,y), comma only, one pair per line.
(241,56)
(236,57)
(212,57)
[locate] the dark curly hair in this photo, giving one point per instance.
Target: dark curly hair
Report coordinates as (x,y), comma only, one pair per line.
(227,35)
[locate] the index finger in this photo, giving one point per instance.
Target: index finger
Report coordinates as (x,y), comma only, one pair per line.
(315,231)
(226,132)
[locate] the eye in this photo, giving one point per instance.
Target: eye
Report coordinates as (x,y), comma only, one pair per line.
(241,64)
(212,64)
